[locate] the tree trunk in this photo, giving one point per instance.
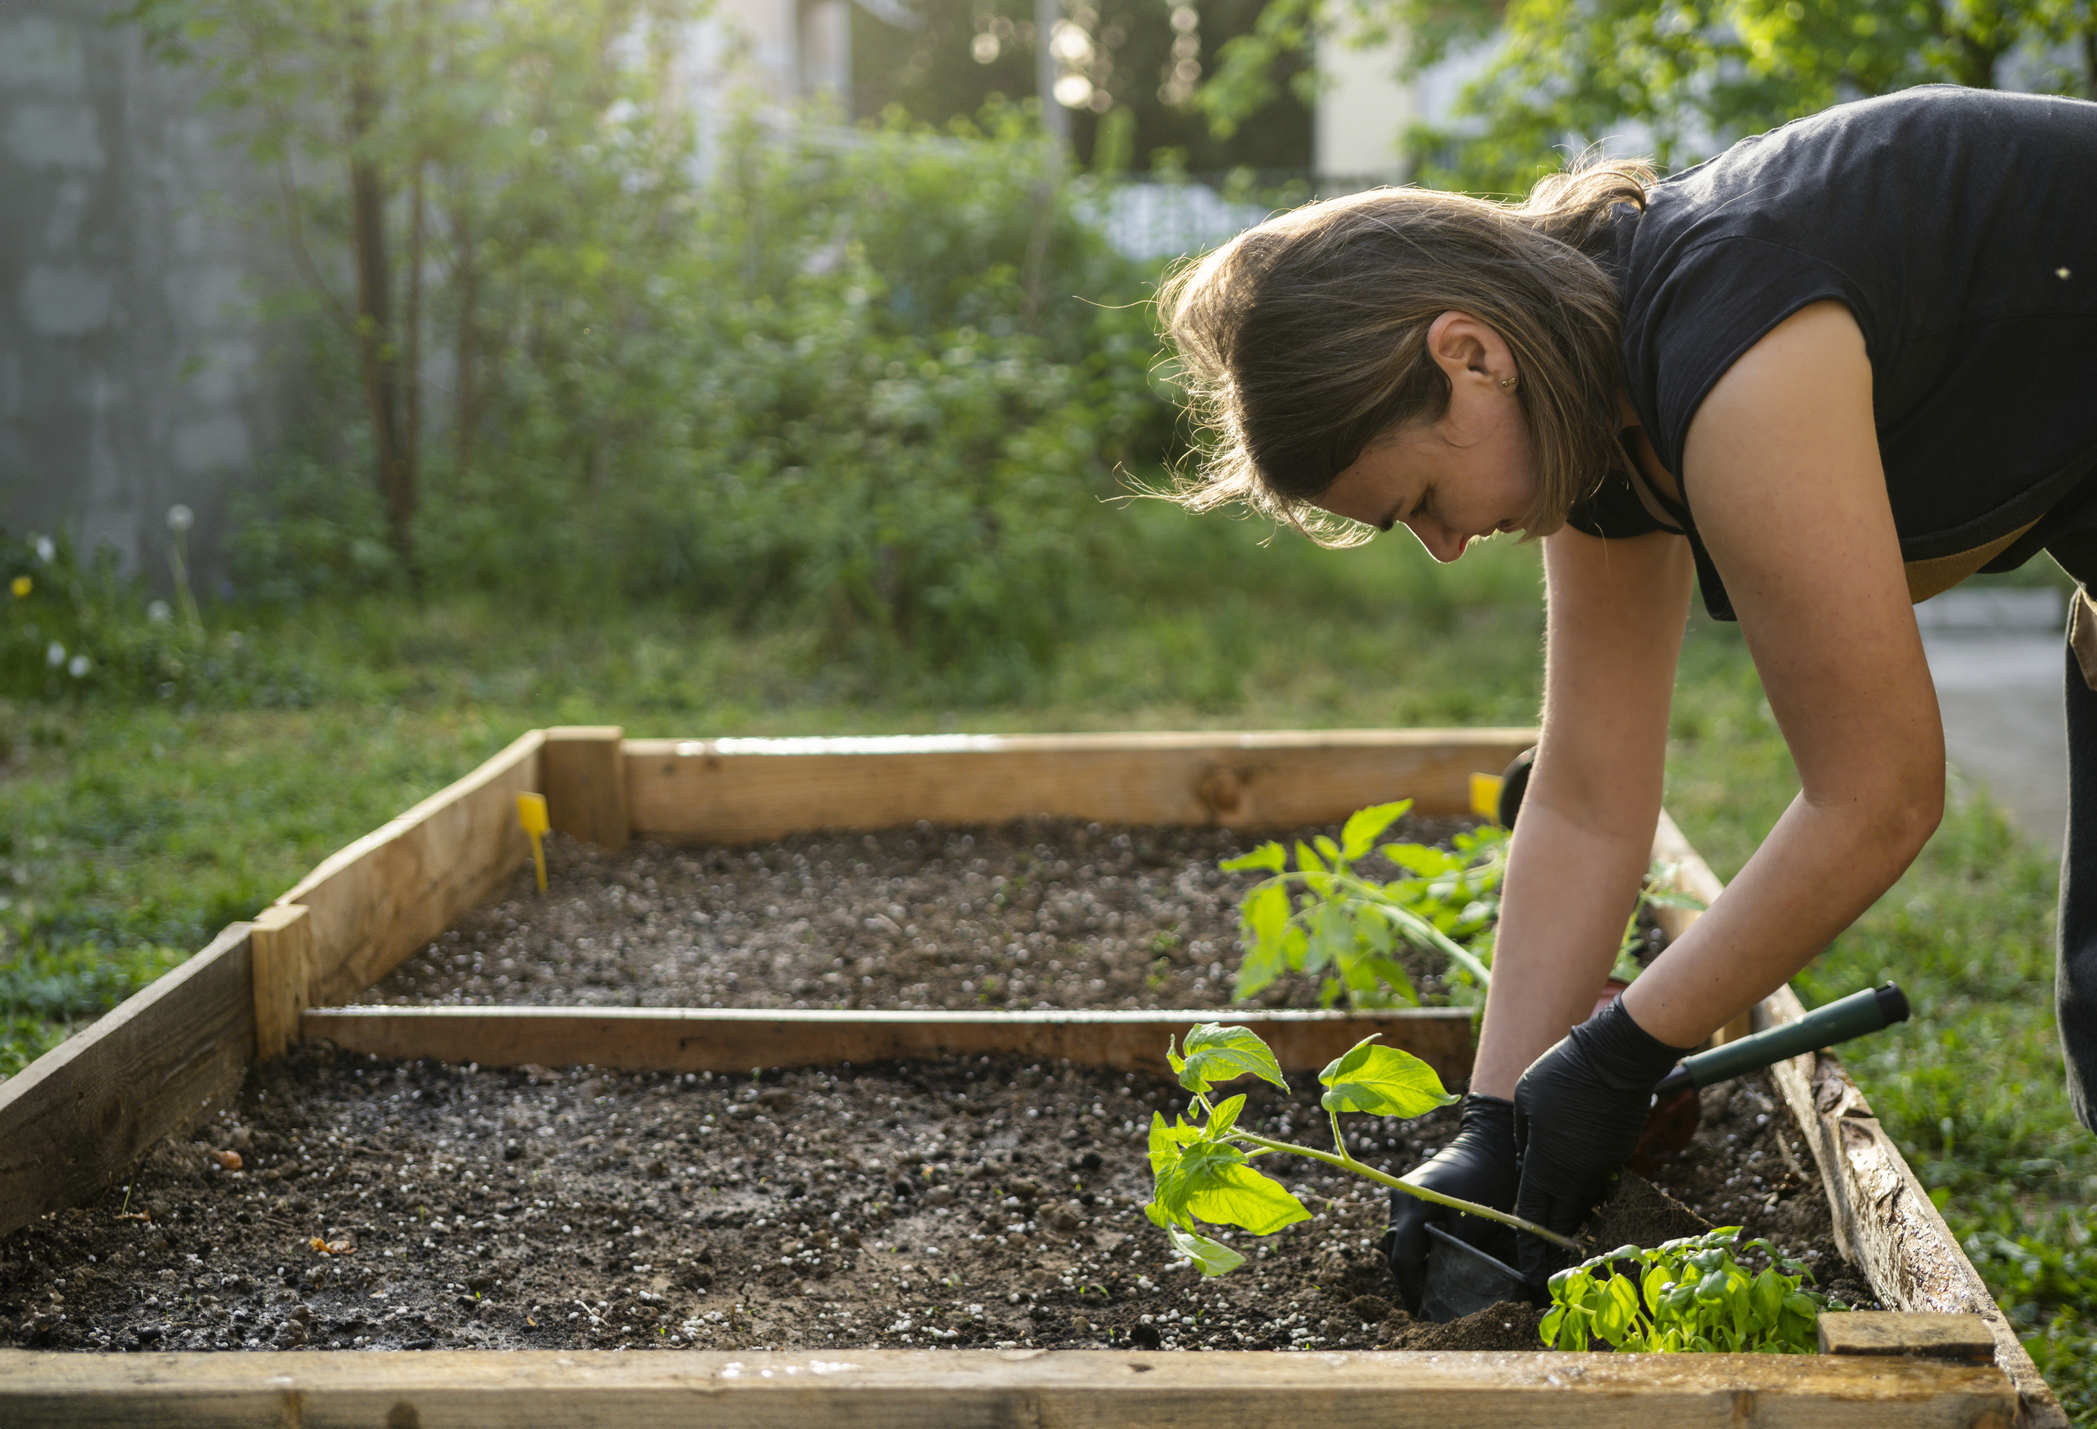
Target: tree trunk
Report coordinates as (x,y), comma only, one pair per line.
(466,398)
(411,378)
(378,352)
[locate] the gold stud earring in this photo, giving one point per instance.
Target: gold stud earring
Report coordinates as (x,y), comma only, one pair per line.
(1507,382)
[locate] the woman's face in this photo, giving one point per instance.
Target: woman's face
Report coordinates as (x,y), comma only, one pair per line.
(1464,476)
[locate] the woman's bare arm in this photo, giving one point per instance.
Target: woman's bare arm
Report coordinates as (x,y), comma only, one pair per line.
(1614,629)
(1782,467)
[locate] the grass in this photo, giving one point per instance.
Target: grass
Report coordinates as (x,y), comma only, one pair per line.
(136,828)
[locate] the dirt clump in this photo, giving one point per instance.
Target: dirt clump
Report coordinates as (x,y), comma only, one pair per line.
(1640,1213)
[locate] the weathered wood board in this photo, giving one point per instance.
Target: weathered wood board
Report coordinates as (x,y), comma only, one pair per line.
(390,892)
(583,770)
(1906,1332)
(1884,1220)
(82,1114)
(743,790)
(970,1389)
(737,1039)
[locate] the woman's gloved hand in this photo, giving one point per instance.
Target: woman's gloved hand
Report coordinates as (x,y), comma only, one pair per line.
(1479,1165)
(1578,1112)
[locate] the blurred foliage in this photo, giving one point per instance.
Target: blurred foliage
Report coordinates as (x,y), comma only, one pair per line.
(871,385)
(1142,58)
(73,632)
(1678,81)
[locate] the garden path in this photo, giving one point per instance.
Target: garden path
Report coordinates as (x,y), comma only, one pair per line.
(1996,657)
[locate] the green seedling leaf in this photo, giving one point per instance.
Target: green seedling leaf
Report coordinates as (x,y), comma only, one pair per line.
(1382,1081)
(1307,859)
(1267,858)
(1263,963)
(1263,915)
(1328,849)
(1422,859)
(1393,974)
(1211,1182)
(1166,1139)
(1331,939)
(1210,1257)
(1223,1118)
(1217,1053)
(1689,1294)
(1365,826)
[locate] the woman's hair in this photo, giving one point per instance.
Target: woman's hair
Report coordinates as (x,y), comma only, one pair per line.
(1304,340)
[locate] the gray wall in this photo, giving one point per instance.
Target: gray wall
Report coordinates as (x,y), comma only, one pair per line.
(135,369)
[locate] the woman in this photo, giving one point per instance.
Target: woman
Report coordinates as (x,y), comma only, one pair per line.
(1831,372)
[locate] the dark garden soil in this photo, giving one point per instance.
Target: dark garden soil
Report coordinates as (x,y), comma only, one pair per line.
(980,1203)
(1037,913)
(346,1202)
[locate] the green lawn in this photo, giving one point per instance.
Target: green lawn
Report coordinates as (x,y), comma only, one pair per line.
(135,830)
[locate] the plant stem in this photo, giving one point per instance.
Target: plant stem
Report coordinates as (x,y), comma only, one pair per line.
(1383,1178)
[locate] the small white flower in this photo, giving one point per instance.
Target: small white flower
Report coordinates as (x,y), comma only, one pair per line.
(180,518)
(78,666)
(45,550)
(159,613)
(55,656)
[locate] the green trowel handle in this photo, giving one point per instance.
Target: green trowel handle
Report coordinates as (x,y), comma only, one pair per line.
(1847,1017)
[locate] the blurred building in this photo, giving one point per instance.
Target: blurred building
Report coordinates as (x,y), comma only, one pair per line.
(136,370)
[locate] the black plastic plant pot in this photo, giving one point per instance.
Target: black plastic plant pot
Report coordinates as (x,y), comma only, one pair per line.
(1462,1279)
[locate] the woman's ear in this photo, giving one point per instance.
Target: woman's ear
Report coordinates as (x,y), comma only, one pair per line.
(1462,347)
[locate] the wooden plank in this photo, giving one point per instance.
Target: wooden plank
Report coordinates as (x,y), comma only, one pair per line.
(283,960)
(82,1114)
(390,892)
(1884,1220)
(1899,1332)
(736,1039)
(743,790)
(1694,877)
(968,1389)
(583,774)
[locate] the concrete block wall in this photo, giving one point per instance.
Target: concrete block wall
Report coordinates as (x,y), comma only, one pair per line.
(136,370)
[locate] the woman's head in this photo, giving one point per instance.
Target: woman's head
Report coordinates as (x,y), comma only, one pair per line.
(1305,341)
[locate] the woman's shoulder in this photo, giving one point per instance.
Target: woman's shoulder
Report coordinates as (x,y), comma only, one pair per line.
(1924,212)
(1876,162)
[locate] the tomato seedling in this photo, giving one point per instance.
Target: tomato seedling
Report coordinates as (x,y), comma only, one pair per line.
(1323,919)
(1688,1294)
(1202,1170)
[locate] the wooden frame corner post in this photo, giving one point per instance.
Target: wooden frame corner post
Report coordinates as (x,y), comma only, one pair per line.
(285,969)
(582,772)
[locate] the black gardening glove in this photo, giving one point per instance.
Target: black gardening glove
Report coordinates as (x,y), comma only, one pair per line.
(1479,1166)
(1578,1112)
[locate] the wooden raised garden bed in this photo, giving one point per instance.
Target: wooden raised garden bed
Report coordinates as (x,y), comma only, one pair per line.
(78,1119)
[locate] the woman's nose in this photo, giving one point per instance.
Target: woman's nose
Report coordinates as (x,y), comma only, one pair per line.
(1442,543)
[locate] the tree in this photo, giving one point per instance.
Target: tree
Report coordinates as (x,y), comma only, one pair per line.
(451,166)
(1680,79)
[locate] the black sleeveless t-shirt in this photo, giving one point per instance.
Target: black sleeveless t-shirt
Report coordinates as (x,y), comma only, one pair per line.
(1960,228)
